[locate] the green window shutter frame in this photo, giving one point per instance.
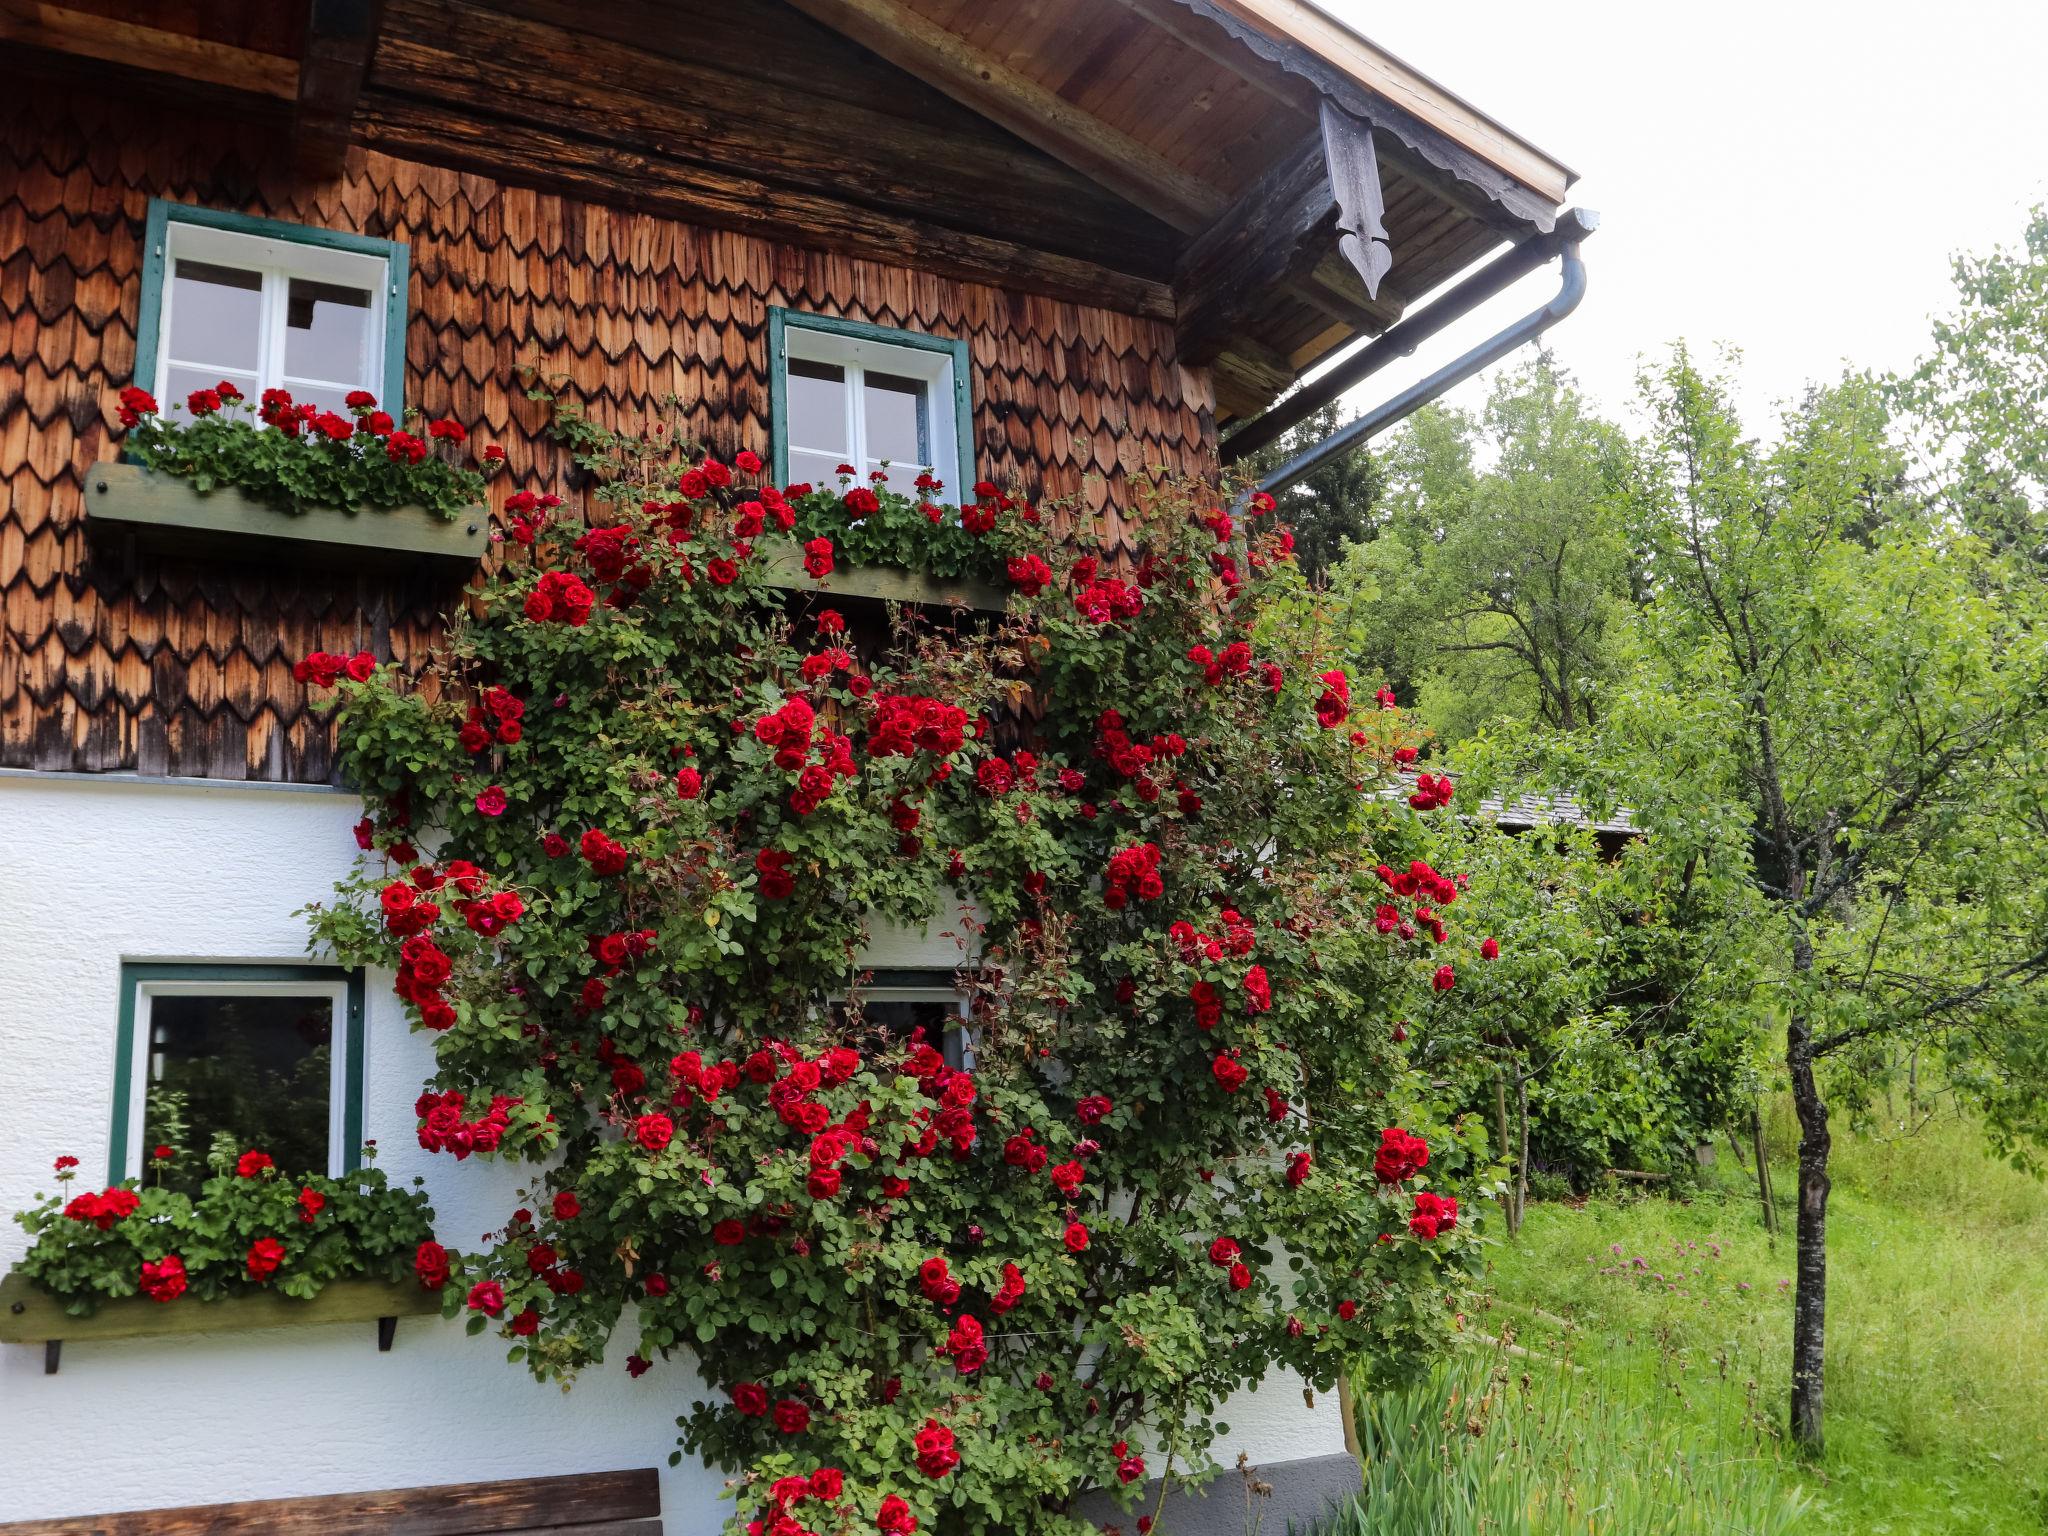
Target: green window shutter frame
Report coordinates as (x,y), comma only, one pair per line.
(781,321)
(156,240)
(134,974)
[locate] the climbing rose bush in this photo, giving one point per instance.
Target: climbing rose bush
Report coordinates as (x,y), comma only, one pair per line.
(623,858)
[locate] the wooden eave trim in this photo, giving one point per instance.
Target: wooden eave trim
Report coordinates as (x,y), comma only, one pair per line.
(1387,76)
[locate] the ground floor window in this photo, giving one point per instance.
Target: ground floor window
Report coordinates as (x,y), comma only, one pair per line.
(215,1059)
(902,1000)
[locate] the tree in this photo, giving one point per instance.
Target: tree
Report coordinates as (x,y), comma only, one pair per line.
(1495,592)
(1979,398)
(1332,509)
(665,799)
(1862,685)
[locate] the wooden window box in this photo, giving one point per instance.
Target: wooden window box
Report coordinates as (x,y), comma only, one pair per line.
(30,1315)
(782,562)
(166,512)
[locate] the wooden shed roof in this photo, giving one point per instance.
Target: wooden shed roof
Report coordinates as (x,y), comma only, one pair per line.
(1181,127)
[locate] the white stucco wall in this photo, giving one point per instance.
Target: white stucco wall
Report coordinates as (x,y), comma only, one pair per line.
(94,872)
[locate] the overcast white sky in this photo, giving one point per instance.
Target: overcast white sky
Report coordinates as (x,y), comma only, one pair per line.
(1791,176)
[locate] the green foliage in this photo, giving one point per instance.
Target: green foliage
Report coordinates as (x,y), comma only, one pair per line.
(645,896)
(1976,401)
(1511,1446)
(1938,1327)
(362,1227)
(1495,592)
(299,458)
(1334,508)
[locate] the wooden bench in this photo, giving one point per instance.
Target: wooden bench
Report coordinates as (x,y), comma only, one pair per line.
(585,1504)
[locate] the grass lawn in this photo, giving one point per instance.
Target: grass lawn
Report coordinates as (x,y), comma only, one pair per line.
(1937,1385)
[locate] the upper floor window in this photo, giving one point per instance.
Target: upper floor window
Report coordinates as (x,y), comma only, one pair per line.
(267,305)
(845,392)
(264,1057)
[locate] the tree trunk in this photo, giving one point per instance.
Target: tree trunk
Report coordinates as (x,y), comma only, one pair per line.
(1810,1291)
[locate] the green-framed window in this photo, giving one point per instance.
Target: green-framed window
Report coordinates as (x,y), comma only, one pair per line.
(269,305)
(846,392)
(271,1056)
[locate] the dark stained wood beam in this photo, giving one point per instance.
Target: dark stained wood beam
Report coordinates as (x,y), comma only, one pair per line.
(534,154)
(1038,116)
(1269,238)
(1361,207)
(341,36)
(157,50)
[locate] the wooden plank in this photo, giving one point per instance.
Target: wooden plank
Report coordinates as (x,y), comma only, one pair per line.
(167,509)
(1414,145)
(86,35)
(1036,115)
(1269,237)
(1387,77)
(30,1315)
(994,185)
(340,37)
(591,1503)
(710,196)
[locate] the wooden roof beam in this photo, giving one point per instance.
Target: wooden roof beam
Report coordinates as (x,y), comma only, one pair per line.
(1325,193)
(1415,144)
(1040,117)
(87,35)
(341,36)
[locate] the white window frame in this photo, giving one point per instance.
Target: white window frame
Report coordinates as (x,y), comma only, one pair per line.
(277,260)
(147,990)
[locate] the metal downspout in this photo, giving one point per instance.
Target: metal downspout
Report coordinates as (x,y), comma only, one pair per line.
(1571,289)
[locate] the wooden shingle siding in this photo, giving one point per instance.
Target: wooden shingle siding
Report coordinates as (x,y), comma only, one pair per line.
(117,659)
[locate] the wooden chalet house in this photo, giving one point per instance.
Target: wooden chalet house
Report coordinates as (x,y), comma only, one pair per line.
(1054,243)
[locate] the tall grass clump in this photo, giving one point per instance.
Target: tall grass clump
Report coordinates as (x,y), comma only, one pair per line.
(1510,1444)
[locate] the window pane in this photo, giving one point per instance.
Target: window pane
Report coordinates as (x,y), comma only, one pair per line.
(898,419)
(327,332)
(254,1070)
(180,382)
(817,409)
(815,469)
(216,315)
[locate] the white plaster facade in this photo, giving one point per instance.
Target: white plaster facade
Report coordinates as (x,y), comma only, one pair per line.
(97,871)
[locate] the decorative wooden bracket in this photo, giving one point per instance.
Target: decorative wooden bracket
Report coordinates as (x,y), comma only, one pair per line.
(1355,182)
(1326,192)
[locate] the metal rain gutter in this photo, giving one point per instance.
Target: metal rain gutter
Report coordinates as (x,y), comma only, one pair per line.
(1401,339)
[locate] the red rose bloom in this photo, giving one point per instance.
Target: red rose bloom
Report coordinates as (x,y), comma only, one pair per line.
(935,1453)
(1489,949)
(894,1518)
(526,1324)
(750,1399)
(729,1233)
(1347,1310)
(1444,979)
(748,460)
(1229,1073)
(792,1417)
(1076,1237)
(654,1131)
(430,1263)
(487,1297)
(567,1206)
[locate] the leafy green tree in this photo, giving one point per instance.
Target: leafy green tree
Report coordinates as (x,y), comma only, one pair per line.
(1860,683)
(1981,396)
(1494,591)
